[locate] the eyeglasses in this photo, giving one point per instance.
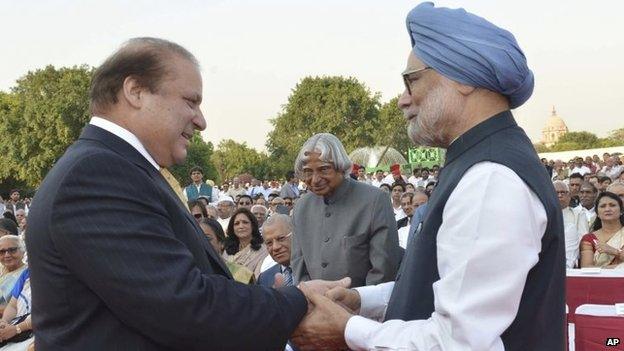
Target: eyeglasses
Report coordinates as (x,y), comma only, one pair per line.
(198,215)
(10,250)
(280,239)
(409,77)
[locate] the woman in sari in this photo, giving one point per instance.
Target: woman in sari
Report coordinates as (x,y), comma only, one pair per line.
(244,244)
(214,232)
(604,246)
(11,257)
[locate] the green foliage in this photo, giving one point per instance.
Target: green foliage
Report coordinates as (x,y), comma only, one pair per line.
(617,136)
(337,105)
(199,154)
(393,128)
(40,118)
(541,148)
(583,140)
(232,158)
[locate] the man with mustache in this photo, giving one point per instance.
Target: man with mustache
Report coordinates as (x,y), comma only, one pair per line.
(486,271)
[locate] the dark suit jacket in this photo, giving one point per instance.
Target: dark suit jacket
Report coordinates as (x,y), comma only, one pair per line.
(118,263)
(267,278)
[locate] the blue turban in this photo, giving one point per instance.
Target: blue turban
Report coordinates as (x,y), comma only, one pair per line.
(470,50)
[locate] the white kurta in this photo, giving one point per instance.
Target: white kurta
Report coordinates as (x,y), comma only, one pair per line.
(492,227)
(575,226)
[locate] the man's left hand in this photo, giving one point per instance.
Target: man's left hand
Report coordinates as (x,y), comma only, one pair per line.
(324,326)
(8,332)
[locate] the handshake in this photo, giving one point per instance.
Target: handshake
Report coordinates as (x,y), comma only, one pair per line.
(330,305)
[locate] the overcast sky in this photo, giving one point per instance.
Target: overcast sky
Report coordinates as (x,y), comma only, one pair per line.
(253,53)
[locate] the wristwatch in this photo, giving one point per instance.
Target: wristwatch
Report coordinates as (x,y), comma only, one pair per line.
(18,330)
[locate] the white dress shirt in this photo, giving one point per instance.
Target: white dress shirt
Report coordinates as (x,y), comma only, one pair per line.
(590,215)
(403,235)
(376,183)
(126,135)
(612,172)
(492,225)
(575,226)
(398,213)
(583,170)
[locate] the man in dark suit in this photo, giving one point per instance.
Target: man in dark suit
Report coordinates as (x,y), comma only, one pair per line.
(117,262)
(276,232)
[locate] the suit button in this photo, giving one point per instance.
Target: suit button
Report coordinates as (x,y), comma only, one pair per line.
(326,239)
(327,214)
(324,264)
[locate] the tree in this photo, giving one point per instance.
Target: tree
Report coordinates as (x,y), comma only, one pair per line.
(393,128)
(577,141)
(199,154)
(40,118)
(617,136)
(337,105)
(232,158)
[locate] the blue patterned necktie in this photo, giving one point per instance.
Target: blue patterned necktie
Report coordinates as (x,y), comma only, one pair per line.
(288,279)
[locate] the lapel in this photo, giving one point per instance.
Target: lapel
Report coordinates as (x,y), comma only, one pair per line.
(120,146)
(199,234)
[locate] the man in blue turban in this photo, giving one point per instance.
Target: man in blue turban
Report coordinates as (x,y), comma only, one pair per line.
(486,268)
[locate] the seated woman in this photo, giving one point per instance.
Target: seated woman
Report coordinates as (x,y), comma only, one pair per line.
(604,246)
(16,324)
(213,230)
(11,256)
(244,244)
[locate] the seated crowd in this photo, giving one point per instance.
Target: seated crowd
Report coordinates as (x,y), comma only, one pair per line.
(251,225)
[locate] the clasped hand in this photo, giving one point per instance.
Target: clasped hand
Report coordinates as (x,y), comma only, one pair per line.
(605,248)
(7,330)
(330,305)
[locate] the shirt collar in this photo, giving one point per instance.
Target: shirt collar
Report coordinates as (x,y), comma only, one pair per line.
(124,134)
(339,192)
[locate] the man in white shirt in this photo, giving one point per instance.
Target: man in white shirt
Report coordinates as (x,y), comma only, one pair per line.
(396,192)
(225,208)
(587,196)
(378,180)
(236,189)
(580,168)
(574,223)
(480,275)
(611,168)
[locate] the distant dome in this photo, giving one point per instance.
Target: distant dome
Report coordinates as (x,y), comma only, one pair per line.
(555,123)
(554,129)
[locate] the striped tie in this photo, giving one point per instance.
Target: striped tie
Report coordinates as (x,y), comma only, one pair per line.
(288,279)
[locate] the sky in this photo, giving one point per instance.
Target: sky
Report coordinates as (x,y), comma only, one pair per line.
(253,53)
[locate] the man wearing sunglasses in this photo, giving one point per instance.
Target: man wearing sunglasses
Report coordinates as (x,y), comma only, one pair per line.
(486,271)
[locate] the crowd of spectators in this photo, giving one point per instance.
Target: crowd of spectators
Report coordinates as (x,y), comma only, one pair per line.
(253,225)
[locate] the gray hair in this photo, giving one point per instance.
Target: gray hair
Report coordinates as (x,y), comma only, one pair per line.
(16,239)
(279,218)
(331,150)
(258,206)
(562,183)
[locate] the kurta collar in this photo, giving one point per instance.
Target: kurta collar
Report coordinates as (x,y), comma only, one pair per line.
(477,133)
(340,192)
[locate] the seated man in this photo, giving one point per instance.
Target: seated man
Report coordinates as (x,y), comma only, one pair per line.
(403,225)
(277,231)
